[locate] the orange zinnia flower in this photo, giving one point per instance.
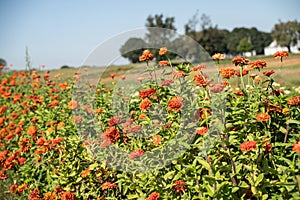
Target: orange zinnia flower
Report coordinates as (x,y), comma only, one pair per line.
(227,72)
(200,80)
(201,131)
(145,104)
(73,104)
(259,64)
(112,76)
(296,147)
(248,146)
(146,56)
(153,196)
(178,74)
(67,196)
(53,103)
(218,56)
(262,117)
(294,101)
(156,140)
(32,130)
(281,54)
(163,63)
(162,51)
(241,61)
(175,103)
(179,186)
(60,125)
(50,196)
(108,185)
(85,173)
(24,144)
(13,188)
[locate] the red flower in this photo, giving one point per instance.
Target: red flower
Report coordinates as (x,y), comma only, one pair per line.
(111,134)
(146,93)
(13,188)
(200,80)
(153,196)
(115,120)
(175,103)
(163,63)
(248,146)
(166,82)
(268,73)
(262,117)
(24,144)
(112,76)
(179,186)
(34,195)
(137,153)
(201,131)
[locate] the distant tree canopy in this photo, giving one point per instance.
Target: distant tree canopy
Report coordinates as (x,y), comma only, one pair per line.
(2,62)
(286,33)
(133,48)
(244,45)
(210,37)
(258,39)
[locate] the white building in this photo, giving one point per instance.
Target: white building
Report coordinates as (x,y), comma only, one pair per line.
(273,47)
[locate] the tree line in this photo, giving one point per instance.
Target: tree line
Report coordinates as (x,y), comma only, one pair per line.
(209,36)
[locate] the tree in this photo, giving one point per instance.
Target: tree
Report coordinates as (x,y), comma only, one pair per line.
(133,48)
(259,40)
(244,45)
(286,33)
(161,32)
(211,38)
(2,62)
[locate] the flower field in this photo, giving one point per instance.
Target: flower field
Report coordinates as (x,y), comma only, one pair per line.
(180,132)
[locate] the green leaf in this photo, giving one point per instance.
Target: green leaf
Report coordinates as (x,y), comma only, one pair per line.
(204,163)
(282,129)
(93,166)
(258,179)
(293,121)
(169,175)
(132,196)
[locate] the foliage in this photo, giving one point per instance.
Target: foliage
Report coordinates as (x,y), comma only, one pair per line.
(244,45)
(226,140)
(133,48)
(258,39)
(2,62)
(286,33)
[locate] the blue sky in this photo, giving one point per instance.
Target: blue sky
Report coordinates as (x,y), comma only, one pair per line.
(59,32)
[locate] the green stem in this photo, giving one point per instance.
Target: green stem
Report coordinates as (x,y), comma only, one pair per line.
(241,75)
